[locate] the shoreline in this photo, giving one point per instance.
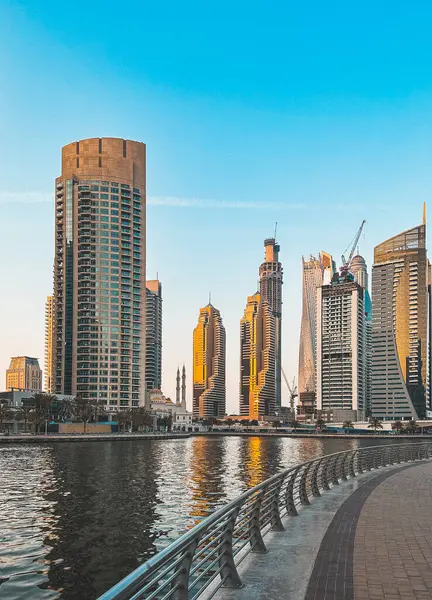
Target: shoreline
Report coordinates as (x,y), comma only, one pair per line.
(115,437)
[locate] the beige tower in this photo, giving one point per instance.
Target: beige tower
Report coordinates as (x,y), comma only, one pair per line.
(49,342)
(24,373)
(209,348)
(99,272)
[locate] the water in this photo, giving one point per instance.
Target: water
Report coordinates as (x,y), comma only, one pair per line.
(77,517)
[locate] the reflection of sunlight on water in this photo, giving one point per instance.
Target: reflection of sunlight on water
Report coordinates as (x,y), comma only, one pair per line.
(75,518)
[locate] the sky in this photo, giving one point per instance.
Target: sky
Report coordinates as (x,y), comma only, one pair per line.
(312,115)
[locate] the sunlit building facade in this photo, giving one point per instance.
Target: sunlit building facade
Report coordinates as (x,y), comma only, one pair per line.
(99,272)
(316,272)
(257,359)
(399,326)
(49,343)
(24,373)
(271,280)
(153,334)
(209,351)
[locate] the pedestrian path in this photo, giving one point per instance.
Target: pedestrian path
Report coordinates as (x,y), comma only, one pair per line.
(369,538)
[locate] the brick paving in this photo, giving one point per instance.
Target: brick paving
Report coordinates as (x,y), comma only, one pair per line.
(379,544)
(393,540)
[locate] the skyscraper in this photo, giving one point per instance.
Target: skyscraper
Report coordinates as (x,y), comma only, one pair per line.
(154,334)
(340,348)
(399,326)
(316,272)
(271,279)
(257,359)
(99,272)
(49,343)
(358,268)
(209,348)
(24,373)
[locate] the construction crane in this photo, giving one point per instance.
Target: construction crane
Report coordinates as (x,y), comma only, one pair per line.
(346,263)
(292,390)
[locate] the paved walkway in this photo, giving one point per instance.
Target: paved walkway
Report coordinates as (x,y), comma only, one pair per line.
(368,539)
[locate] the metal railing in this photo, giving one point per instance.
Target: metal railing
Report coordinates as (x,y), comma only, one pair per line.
(212,550)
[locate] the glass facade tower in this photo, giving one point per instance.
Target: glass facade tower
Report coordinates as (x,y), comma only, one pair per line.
(399,326)
(99,272)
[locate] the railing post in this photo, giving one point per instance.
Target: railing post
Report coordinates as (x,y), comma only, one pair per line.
(289,495)
(314,479)
(302,488)
(275,518)
(229,573)
(181,582)
(359,461)
(256,540)
(342,459)
(333,472)
(351,470)
(324,474)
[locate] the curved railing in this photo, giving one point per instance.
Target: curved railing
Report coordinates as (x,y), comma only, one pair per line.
(210,552)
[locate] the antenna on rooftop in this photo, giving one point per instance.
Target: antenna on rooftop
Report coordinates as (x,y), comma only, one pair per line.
(275,231)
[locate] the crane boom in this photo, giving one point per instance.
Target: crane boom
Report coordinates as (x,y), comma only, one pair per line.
(346,263)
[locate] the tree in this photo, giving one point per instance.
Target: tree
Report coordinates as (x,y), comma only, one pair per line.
(253,423)
(67,409)
(99,409)
(375,424)
(276,424)
(295,424)
(84,410)
(348,425)
(320,424)
(26,412)
(229,422)
(141,417)
(411,426)
(397,426)
(5,413)
(41,404)
(124,417)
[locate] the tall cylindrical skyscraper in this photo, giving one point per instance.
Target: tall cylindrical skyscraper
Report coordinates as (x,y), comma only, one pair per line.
(99,272)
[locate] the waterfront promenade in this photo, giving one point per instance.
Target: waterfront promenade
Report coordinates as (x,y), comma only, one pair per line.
(369,538)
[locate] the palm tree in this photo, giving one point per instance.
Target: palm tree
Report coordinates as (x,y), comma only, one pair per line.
(18,416)
(67,409)
(397,426)
(141,417)
(99,409)
(375,424)
(5,413)
(319,424)
(84,410)
(41,404)
(411,426)
(348,425)
(27,412)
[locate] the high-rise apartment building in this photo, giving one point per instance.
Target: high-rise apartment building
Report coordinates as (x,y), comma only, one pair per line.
(358,268)
(24,373)
(340,348)
(49,343)
(209,350)
(154,334)
(271,279)
(316,272)
(399,326)
(429,356)
(257,359)
(99,272)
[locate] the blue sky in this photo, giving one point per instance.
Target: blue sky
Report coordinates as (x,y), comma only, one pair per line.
(315,115)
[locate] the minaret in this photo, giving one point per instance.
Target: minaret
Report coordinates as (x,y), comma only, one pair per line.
(178,387)
(183,400)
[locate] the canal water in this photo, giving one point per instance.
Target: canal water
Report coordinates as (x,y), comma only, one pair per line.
(77,517)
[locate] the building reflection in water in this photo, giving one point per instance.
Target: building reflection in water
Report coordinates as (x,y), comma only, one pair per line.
(105,500)
(207,476)
(260,457)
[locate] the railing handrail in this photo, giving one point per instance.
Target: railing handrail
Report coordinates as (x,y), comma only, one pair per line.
(128,587)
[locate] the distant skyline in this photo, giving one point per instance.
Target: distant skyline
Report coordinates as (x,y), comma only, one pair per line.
(314,116)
